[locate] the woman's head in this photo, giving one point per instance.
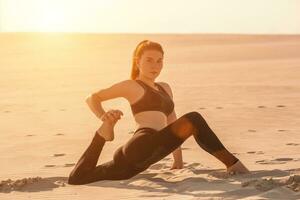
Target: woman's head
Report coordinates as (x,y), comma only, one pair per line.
(147,60)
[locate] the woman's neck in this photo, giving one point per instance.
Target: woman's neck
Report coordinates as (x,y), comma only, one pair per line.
(149,82)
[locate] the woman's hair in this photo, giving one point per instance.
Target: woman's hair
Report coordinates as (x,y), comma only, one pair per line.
(138,52)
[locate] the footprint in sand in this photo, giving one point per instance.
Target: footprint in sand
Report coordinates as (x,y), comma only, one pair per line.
(58,154)
(69,164)
(49,165)
(29,135)
(251,130)
(281,130)
(292,144)
(261,106)
(219,107)
(283,159)
(65,165)
(59,134)
(280,106)
(201,108)
(275,161)
(265,162)
(255,152)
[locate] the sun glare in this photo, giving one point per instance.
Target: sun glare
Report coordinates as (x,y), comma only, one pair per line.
(51,18)
(135,16)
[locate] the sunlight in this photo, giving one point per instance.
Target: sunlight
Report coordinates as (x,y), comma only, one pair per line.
(51,17)
(157,16)
(54,15)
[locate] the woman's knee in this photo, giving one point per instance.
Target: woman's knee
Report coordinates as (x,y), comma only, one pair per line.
(75,180)
(77,177)
(194,117)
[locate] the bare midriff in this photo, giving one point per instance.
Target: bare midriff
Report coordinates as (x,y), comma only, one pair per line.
(151,119)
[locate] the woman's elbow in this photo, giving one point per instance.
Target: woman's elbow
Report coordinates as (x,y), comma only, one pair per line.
(87,98)
(90,98)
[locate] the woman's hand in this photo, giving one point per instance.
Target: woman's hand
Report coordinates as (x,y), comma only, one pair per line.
(178,162)
(177,165)
(112,116)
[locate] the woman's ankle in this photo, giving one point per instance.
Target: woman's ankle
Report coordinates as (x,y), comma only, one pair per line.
(99,137)
(227,158)
(106,131)
(233,163)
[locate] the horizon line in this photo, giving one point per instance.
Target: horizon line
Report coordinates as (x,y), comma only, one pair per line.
(146,33)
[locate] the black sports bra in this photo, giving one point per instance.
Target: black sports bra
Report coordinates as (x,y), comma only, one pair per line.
(153,100)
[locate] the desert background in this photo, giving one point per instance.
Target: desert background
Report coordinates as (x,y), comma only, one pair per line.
(246,86)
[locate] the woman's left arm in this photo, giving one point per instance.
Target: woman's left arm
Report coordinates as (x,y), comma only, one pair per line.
(177,153)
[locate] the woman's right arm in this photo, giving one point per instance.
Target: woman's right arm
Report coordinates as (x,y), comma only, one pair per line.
(95,105)
(120,89)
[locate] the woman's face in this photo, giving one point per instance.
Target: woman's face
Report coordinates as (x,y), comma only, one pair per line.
(150,63)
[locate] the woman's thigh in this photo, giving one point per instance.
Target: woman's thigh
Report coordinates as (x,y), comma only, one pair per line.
(139,147)
(148,146)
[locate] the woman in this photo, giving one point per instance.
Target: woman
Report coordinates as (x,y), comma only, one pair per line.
(158,132)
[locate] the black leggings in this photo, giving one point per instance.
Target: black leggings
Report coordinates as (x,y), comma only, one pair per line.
(146,147)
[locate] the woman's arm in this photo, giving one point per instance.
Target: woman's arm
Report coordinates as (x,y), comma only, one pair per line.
(120,89)
(177,153)
(95,105)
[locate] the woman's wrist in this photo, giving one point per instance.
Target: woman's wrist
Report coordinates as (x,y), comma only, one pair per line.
(178,160)
(100,115)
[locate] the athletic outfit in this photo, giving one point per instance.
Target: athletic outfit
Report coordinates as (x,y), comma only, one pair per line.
(147,146)
(153,100)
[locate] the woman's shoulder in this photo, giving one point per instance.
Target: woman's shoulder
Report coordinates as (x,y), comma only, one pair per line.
(167,88)
(127,83)
(125,88)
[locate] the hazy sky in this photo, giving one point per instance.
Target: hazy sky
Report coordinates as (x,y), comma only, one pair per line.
(155,16)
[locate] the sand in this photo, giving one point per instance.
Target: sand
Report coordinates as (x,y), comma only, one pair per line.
(246,86)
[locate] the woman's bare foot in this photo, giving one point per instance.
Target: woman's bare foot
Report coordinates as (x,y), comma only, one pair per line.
(237,168)
(106,130)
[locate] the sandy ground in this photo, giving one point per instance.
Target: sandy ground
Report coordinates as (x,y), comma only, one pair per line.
(246,87)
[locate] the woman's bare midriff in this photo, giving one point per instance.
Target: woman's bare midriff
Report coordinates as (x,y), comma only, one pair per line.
(152,119)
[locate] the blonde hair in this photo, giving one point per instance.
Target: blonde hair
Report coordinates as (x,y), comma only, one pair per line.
(138,52)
